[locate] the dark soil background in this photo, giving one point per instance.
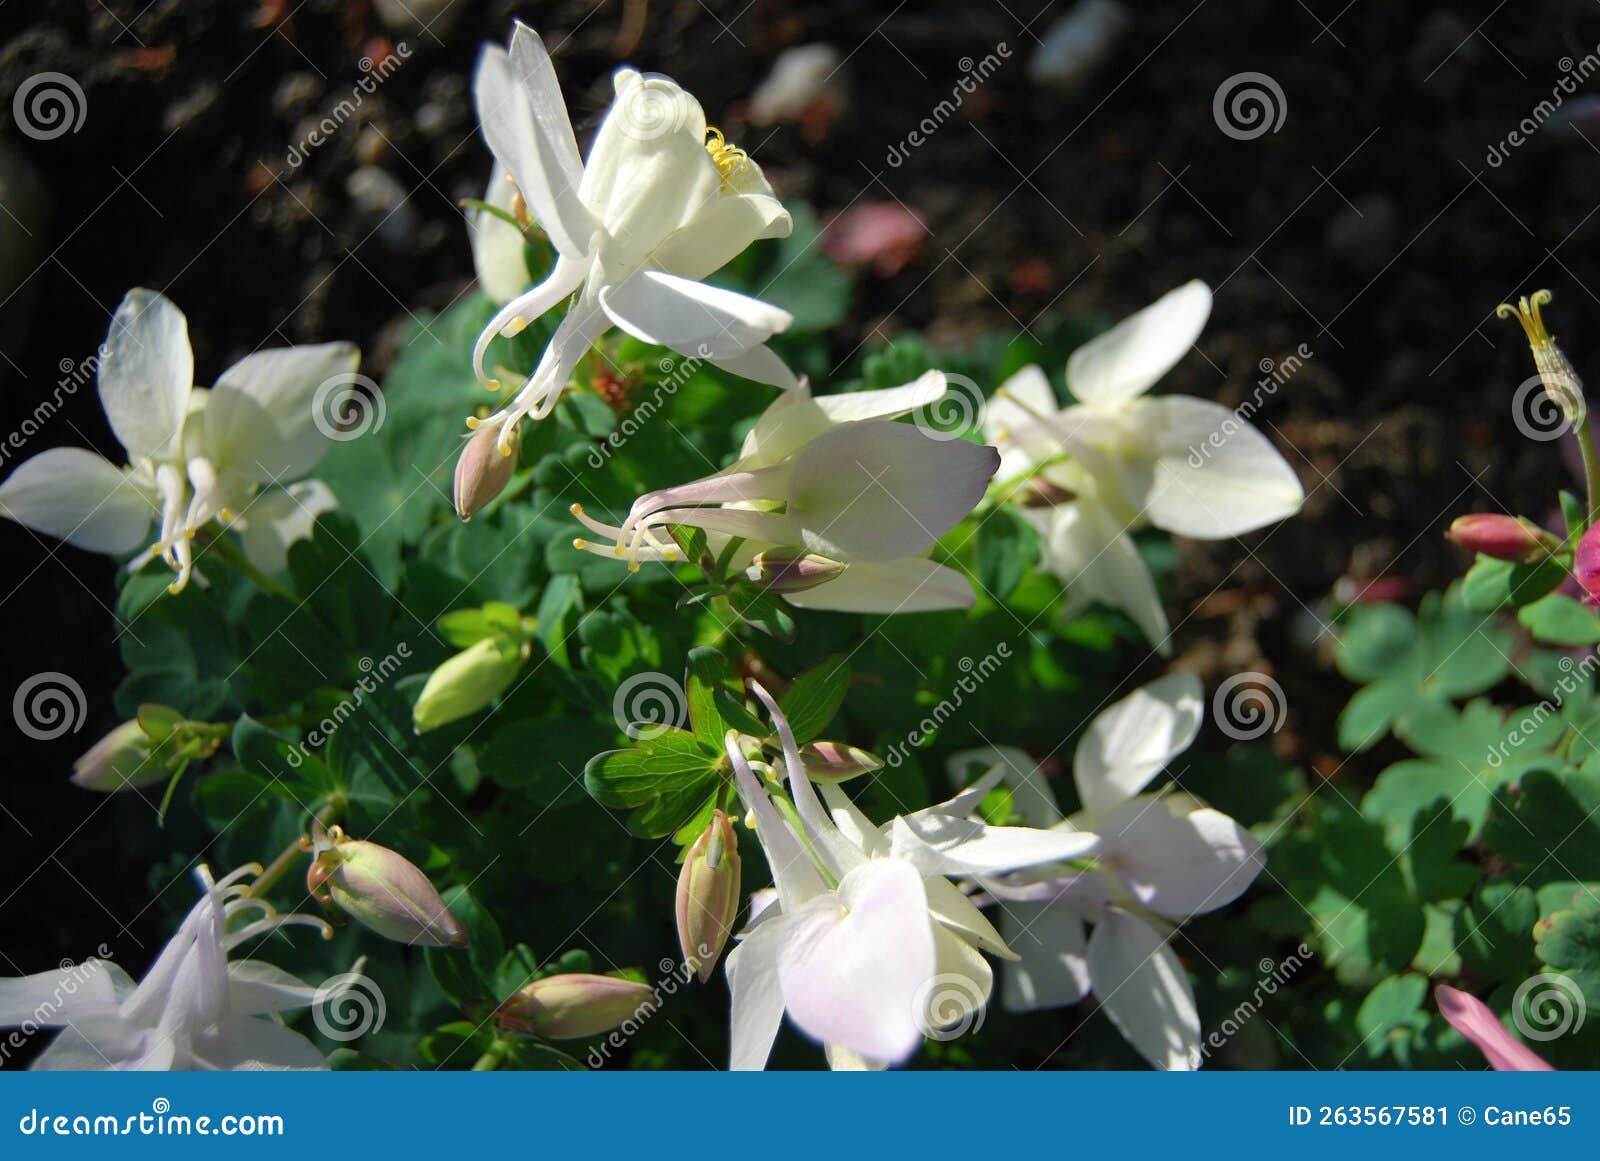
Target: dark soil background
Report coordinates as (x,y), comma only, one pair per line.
(1370,227)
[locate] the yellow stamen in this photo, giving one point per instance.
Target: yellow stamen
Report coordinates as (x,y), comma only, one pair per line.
(1526,312)
(473,423)
(729,158)
(514,328)
(1561,382)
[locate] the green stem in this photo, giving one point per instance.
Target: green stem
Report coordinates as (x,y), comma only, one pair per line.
(286,857)
(228,553)
(493,1057)
(1591,465)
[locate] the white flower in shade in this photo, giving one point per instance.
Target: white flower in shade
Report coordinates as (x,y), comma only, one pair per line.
(193,1010)
(866,945)
(662,202)
(498,250)
(1117,459)
(194,454)
(1161,857)
(831,485)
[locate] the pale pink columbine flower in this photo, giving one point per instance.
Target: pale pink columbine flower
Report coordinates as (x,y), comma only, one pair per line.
(867,945)
(1475,1020)
(194,1009)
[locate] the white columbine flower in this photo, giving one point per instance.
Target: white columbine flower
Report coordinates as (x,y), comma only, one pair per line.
(833,478)
(1160,857)
(867,946)
(193,1009)
(1118,459)
(194,455)
(662,202)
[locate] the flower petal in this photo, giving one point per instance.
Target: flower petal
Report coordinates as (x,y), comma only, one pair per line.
(1179,865)
(1127,360)
(1215,475)
(281,517)
(1130,743)
(1097,560)
(146,373)
(756,998)
(249,1044)
(1051,970)
(911,584)
(691,317)
(1144,990)
(1474,1019)
(81,498)
(939,844)
(261,419)
(1014,421)
(498,252)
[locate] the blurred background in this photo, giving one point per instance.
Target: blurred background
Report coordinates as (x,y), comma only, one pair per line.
(1360,182)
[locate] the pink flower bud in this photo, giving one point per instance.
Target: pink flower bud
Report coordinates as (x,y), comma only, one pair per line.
(482,471)
(836,762)
(1586,565)
(575,1006)
(1510,538)
(708,896)
(792,572)
(383,891)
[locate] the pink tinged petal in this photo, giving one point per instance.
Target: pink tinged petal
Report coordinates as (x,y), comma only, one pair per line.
(854,963)
(146,374)
(1473,1018)
(262,418)
(1130,743)
(793,873)
(1092,554)
(940,844)
(525,123)
(1128,359)
(1145,991)
(908,585)
(59,997)
(691,317)
(756,997)
(1586,565)
(79,497)
(886,402)
(877,490)
(838,854)
(1052,970)
(1215,475)
(248,1044)
(1179,865)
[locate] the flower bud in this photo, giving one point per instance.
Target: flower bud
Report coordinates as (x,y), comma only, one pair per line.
(792,572)
(836,762)
(708,896)
(467,683)
(382,890)
(1510,538)
(122,760)
(571,1007)
(1586,565)
(482,471)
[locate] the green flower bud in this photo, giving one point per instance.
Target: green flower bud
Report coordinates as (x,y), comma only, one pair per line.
(468,682)
(572,1007)
(122,760)
(708,896)
(382,890)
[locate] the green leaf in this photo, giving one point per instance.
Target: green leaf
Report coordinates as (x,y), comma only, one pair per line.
(708,674)
(1549,825)
(761,610)
(1006,547)
(1391,1015)
(470,975)
(1495,931)
(815,697)
(1493,584)
(666,777)
(1560,620)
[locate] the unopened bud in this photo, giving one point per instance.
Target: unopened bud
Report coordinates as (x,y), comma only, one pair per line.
(122,760)
(1510,538)
(382,890)
(836,762)
(1586,565)
(708,896)
(467,682)
(483,470)
(792,572)
(572,1007)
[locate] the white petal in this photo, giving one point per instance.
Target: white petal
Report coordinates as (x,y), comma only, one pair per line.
(1032,799)
(281,517)
(1130,743)
(908,585)
(146,374)
(756,998)
(842,1059)
(1145,991)
(1179,865)
(759,365)
(525,122)
(1098,561)
(960,989)
(854,825)
(886,402)
(853,963)
(1215,475)
(256,988)
(1051,971)
(78,496)
(262,417)
(698,320)
(1128,359)
(1014,421)
(61,996)
(498,252)
(939,844)
(878,490)
(954,910)
(248,1044)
